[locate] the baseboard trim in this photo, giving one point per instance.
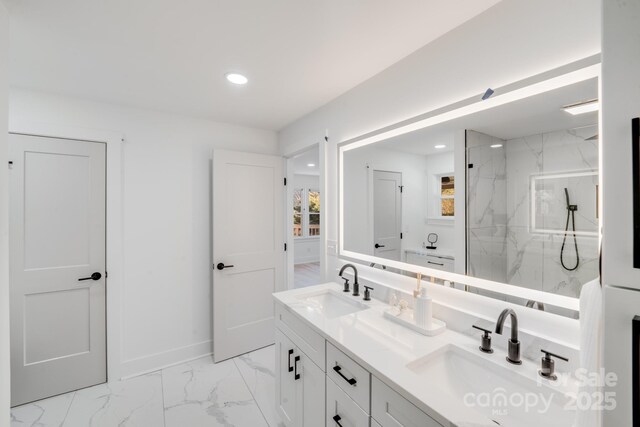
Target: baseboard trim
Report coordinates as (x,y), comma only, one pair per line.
(155,362)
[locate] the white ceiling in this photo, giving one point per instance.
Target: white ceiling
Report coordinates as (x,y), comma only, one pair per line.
(302,161)
(172,55)
(529,116)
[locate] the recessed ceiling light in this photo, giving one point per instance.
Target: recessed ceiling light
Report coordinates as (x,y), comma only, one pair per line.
(237,79)
(311,164)
(439,146)
(496,145)
(582,107)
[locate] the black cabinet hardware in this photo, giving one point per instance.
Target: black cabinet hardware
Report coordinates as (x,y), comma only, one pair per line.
(221,266)
(338,369)
(289,364)
(377,246)
(296,375)
(94,276)
(435,263)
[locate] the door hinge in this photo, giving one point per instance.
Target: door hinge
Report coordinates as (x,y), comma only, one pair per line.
(10,164)
(400,235)
(470,165)
(285,247)
(285,181)
(401,187)
(106,274)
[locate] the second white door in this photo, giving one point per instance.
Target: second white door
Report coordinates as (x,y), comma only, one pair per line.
(248,250)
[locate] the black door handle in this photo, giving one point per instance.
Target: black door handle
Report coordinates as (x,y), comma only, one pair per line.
(379,246)
(435,263)
(337,419)
(338,369)
(296,375)
(289,364)
(94,276)
(221,266)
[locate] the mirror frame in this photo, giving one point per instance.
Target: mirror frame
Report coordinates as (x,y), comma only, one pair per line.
(569,74)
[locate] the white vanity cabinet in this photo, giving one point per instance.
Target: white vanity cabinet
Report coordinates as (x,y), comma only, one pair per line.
(437,262)
(317,384)
(390,409)
(300,385)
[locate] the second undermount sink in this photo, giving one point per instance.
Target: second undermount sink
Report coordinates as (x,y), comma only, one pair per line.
(331,304)
(504,396)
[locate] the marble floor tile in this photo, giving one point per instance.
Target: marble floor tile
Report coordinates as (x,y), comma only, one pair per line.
(258,370)
(43,413)
(136,402)
(201,393)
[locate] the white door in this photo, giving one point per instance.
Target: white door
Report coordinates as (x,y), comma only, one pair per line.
(248,250)
(57,238)
(387,214)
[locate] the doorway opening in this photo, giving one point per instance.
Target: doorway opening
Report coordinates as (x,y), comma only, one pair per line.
(304,211)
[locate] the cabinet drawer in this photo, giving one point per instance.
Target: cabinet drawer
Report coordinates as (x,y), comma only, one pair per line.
(390,409)
(342,410)
(306,339)
(350,377)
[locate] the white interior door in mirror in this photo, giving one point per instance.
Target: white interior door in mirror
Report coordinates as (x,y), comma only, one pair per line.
(387,214)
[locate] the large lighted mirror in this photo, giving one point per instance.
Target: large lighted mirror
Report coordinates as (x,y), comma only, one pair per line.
(507,193)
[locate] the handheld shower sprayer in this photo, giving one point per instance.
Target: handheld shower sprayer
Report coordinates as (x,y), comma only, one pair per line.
(571,211)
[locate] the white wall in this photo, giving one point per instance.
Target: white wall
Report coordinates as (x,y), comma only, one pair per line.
(166,305)
(306,249)
(4,220)
(511,41)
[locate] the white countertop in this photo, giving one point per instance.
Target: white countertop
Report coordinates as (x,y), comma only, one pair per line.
(385,348)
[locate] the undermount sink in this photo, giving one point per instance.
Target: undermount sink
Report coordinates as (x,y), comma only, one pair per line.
(504,396)
(331,304)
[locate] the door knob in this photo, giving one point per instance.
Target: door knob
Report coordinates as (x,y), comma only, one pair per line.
(94,276)
(379,246)
(221,266)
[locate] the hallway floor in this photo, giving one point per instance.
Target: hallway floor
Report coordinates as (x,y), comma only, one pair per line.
(238,392)
(306,274)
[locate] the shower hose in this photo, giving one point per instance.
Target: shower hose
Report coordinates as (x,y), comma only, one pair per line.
(571,211)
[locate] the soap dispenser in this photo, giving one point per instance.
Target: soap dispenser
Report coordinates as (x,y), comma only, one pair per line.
(423,313)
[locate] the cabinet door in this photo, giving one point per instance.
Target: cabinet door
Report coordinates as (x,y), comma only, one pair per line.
(343,410)
(288,404)
(312,380)
(390,409)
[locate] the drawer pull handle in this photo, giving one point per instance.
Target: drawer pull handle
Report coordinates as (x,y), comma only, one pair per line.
(436,263)
(337,419)
(296,375)
(338,369)
(290,367)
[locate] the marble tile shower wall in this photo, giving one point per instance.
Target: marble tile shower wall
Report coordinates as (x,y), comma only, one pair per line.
(515,238)
(548,163)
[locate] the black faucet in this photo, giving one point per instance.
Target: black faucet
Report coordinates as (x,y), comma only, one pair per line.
(513,353)
(356,286)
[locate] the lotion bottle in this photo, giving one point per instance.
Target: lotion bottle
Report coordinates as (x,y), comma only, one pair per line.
(424,309)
